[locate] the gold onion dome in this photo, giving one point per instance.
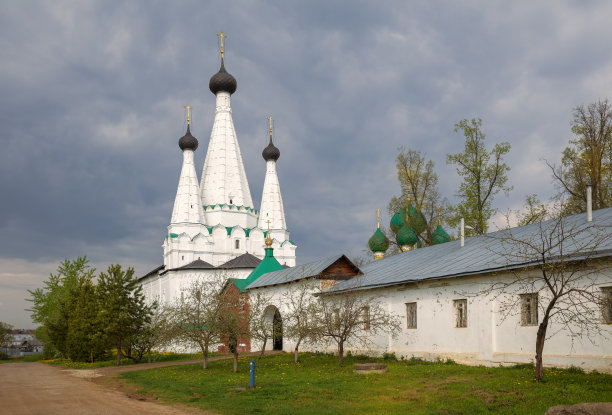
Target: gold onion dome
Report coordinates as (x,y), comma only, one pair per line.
(406,236)
(378,242)
(440,236)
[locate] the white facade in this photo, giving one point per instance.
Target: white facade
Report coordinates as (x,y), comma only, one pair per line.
(215,221)
(490,337)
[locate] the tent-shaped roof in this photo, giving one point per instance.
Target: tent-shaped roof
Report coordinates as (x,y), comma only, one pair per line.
(268,264)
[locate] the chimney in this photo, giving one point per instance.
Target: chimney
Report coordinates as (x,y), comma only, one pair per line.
(589,191)
(462,232)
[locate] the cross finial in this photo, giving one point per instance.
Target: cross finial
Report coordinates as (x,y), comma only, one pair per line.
(439,221)
(378,218)
(268,238)
(221,37)
(270,119)
(188,107)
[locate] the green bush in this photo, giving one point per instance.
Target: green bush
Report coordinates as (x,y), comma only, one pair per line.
(389,356)
(3,356)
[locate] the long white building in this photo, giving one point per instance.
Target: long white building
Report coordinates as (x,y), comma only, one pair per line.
(480,302)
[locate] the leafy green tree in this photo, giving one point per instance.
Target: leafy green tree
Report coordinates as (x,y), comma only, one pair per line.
(155,333)
(419,182)
(588,159)
(484,175)
(124,310)
(534,211)
(53,305)
(86,339)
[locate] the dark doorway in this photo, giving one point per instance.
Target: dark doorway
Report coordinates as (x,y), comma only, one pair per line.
(277,331)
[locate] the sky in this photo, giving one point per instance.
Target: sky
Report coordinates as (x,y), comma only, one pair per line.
(92,97)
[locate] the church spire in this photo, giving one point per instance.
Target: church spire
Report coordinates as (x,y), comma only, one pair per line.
(187,206)
(224,181)
(272,210)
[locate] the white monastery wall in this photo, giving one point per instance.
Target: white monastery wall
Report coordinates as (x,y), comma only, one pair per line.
(488,339)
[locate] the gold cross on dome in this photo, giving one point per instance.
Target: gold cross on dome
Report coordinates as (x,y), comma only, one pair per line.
(188,107)
(221,37)
(270,119)
(439,221)
(378,218)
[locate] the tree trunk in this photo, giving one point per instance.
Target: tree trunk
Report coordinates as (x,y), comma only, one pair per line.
(236,361)
(119,350)
(263,348)
(205,357)
(295,355)
(149,359)
(541,336)
(341,352)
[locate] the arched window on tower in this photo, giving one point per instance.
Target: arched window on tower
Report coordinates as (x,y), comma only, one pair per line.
(237,243)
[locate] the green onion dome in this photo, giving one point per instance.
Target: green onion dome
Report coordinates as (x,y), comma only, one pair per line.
(439,236)
(406,236)
(378,242)
(415,219)
(398,220)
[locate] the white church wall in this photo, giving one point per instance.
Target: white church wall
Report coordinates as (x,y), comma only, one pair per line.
(488,339)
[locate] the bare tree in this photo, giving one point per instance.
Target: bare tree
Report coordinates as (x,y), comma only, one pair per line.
(555,277)
(240,314)
(352,317)
(197,313)
(300,316)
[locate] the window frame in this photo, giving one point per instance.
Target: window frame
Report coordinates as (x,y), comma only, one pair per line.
(606,305)
(529,309)
(461,316)
(411,311)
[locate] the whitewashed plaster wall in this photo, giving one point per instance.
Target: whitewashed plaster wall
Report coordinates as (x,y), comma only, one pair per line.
(488,339)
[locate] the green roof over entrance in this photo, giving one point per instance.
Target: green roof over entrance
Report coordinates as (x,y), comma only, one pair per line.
(268,264)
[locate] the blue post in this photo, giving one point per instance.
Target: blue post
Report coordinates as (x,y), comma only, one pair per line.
(252,374)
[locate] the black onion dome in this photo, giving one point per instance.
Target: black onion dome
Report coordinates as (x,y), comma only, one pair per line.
(271,152)
(222,81)
(188,142)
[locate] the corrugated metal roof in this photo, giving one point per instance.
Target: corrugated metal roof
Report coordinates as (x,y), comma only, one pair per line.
(295,273)
(488,253)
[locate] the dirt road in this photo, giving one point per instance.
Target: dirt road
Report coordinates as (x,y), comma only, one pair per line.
(37,388)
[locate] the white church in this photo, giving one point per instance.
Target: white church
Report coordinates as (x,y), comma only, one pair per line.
(214,223)
(442,293)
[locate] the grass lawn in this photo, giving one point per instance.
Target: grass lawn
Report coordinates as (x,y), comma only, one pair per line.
(112,361)
(318,385)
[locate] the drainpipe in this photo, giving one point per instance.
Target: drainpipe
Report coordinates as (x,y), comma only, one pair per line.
(589,191)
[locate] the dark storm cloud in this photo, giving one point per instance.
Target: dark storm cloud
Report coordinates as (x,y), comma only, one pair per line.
(91,97)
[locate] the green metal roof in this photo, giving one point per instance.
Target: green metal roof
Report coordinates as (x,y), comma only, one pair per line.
(268,264)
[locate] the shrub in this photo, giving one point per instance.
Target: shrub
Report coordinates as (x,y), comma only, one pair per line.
(389,356)
(3,356)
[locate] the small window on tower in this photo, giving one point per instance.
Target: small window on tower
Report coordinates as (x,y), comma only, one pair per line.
(231,202)
(237,243)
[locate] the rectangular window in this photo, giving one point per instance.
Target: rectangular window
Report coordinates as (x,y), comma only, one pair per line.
(460,313)
(365,312)
(606,305)
(529,309)
(411,316)
(237,243)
